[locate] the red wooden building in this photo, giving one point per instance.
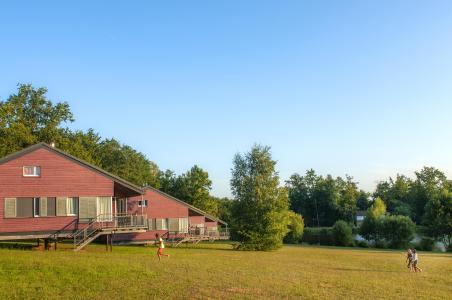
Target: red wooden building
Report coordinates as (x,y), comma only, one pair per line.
(172,218)
(46,193)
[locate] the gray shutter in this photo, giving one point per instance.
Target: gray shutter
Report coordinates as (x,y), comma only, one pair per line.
(43,206)
(24,207)
(173,224)
(10,207)
(87,207)
(159,224)
(61,206)
(151,224)
(51,206)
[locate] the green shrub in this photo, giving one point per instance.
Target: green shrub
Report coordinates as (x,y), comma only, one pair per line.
(311,235)
(426,244)
(326,236)
(362,244)
(369,229)
(397,231)
(381,244)
(314,236)
(342,234)
(296,228)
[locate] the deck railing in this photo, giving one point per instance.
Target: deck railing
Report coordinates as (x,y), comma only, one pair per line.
(199,232)
(105,222)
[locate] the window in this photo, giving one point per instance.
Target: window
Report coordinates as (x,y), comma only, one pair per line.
(72,206)
(32,171)
(29,207)
(183,225)
(142,203)
(161,224)
(36,207)
(24,207)
(165,224)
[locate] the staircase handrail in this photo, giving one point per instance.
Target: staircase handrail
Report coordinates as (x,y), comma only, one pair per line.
(57,233)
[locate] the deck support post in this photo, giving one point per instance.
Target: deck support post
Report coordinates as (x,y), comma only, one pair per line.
(109,243)
(46,244)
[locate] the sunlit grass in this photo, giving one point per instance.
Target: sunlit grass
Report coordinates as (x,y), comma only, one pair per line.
(218,272)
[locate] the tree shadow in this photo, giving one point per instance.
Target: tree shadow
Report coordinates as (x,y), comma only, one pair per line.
(363,270)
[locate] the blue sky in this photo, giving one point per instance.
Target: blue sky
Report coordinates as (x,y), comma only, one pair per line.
(345,87)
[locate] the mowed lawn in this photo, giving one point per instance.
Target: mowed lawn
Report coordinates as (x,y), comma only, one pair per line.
(217,272)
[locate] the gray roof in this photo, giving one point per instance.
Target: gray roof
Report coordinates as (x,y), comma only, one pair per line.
(75,159)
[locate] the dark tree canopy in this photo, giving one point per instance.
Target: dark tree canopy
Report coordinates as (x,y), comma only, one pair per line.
(323,200)
(192,187)
(28,117)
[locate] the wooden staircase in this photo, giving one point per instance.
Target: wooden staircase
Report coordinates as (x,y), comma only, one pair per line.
(108,225)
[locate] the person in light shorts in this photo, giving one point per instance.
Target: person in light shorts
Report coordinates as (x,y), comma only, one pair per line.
(161,246)
(415,260)
(409,259)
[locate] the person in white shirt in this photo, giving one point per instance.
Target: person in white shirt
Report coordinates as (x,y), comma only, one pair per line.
(415,260)
(161,246)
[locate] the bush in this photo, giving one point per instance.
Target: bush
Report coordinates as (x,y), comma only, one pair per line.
(381,244)
(314,236)
(398,231)
(342,234)
(326,236)
(426,244)
(296,228)
(369,228)
(362,244)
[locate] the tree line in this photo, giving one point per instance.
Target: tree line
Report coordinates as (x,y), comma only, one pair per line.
(264,212)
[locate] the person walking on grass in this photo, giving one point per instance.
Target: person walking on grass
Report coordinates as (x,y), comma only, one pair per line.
(409,259)
(415,261)
(161,246)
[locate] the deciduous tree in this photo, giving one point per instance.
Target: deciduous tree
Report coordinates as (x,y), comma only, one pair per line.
(261,205)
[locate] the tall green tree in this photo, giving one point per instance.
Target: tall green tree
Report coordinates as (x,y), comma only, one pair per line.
(28,117)
(196,186)
(124,161)
(192,187)
(397,195)
(429,184)
(362,202)
(225,206)
(370,229)
(347,204)
(438,218)
(261,205)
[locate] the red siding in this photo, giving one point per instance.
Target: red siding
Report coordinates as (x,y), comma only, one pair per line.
(195,220)
(60,176)
(159,206)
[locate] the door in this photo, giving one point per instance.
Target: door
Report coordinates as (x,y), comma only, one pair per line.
(104,208)
(121,206)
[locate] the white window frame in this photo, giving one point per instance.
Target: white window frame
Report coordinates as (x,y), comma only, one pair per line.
(165,224)
(70,204)
(36,173)
(143,203)
(36,200)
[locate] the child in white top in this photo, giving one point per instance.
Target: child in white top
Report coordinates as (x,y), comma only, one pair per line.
(415,261)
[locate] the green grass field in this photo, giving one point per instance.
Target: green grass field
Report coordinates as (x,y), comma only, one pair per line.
(217,272)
